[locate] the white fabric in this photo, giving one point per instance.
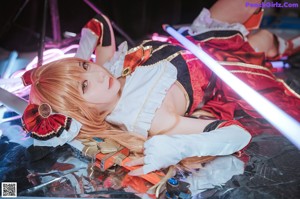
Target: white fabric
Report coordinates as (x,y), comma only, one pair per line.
(296,42)
(204,23)
(87,44)
(64,138)
(76,144)
(215,173)
(142,95)
(174,148)
(115,64)
(282,45)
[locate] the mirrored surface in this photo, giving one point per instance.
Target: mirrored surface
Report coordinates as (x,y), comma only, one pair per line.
(268,168)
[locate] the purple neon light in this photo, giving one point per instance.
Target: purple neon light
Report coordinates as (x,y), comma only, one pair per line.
(287,125)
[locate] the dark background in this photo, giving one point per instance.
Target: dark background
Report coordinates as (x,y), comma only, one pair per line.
(21,30)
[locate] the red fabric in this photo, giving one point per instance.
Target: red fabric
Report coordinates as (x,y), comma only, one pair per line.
(136,57)
(138,184)
(199,78)
(238,57)
(43,128)
(254,21)
(96,27)
(26,77)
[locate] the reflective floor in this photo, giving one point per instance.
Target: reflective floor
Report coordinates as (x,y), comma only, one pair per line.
(269,168)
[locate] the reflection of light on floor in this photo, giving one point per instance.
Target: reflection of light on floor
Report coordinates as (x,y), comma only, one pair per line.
(278,118)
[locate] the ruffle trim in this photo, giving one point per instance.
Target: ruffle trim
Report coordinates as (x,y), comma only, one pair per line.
(154,96)
(115,64)
(204,23)
(65,137)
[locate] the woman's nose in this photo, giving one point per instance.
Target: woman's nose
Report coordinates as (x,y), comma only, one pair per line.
(100,77)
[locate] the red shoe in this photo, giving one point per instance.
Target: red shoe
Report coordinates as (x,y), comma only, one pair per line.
(293,46)
(287,47)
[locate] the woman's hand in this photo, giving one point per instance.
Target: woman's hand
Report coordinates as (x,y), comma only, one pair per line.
(162,151)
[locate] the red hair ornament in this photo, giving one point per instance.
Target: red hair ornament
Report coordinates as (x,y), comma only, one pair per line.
(48,128)
(42,124)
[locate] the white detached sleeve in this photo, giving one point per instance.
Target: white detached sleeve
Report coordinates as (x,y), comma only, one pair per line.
(162,151)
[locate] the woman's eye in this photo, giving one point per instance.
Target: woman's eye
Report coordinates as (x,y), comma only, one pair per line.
(84,85)
(85,65)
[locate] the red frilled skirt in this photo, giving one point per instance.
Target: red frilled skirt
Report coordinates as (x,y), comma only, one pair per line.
(239,58)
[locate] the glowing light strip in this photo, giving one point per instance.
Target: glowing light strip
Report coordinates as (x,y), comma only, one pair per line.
(287,125)
(14,83)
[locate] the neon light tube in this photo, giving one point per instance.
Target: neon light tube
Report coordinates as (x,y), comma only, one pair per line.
(287,125)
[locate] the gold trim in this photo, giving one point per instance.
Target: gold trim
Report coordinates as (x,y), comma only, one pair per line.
(252,73)
(185,95)
(289,88)
(131,50)
(145,41)
(159,48)
(209,38)
(245,65)
(126,71)
(171,57)
(193,59)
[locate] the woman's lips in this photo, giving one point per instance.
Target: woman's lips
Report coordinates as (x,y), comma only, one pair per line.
(110,83)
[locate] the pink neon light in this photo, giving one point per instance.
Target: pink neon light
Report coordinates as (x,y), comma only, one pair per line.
(49,55)
(157,37)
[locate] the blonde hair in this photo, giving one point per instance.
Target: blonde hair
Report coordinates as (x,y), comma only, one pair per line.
(58,83)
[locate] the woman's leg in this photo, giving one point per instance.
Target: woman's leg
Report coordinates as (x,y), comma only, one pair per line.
(233,11)
(273,45)
(264,41)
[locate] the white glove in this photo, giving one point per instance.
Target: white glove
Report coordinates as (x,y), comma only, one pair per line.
(162,151)
(87,44)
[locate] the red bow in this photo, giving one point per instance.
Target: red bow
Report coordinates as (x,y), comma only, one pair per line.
(26,77)
(42,124)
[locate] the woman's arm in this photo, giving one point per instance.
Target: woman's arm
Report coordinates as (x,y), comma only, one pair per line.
(97,35)
(162,151)
(106,52)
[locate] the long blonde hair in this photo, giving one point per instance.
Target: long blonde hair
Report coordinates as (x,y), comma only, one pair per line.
(58,83)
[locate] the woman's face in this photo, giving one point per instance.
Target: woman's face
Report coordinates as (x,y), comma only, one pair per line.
(99,87)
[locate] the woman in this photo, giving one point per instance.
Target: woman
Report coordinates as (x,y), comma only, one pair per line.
(128,101)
